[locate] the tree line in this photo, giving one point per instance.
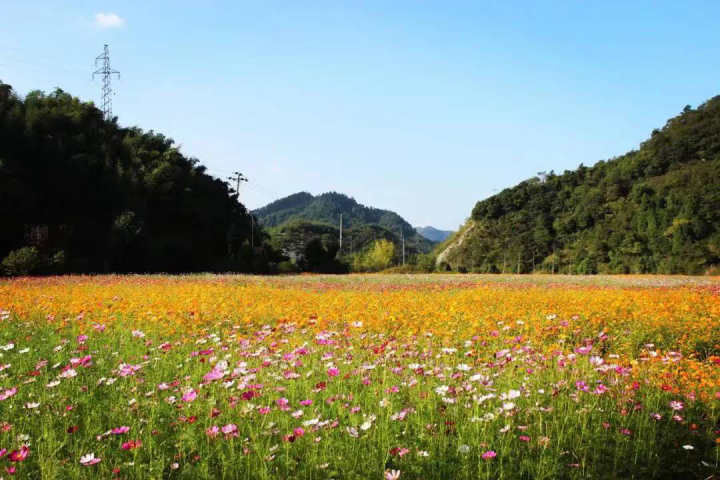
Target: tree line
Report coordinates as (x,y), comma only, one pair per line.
(81,194)
(652,210)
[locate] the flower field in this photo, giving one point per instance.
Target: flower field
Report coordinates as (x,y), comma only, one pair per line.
(358,377)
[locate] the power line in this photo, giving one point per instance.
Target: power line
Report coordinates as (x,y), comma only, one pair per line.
(107,74)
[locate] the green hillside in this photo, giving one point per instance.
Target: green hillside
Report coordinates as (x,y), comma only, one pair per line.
(296,219)
(652,210)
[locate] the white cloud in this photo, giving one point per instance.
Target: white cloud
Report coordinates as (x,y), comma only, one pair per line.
(109,20)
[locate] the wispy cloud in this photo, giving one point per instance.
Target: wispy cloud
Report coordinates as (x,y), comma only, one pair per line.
(109,20)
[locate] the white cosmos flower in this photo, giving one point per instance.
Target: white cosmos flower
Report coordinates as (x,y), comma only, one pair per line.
(511,395)
(311,422)
(442,389)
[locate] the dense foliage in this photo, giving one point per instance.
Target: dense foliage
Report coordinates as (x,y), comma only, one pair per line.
(91,196)
(651,210)
(294,221)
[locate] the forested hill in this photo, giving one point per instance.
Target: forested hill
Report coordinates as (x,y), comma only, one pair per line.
(654,210)
(82,194)
(305,216)
(326,208)
(433,234)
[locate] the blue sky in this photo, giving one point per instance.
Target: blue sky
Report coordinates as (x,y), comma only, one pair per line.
(419,107)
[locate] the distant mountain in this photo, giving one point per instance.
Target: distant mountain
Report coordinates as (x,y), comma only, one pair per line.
(433,234)
(294,220)
(651,210)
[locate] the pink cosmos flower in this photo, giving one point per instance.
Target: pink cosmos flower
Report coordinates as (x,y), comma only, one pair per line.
(600,389)
(306,403)
(120,430)
(333,372)
(264,410)
(189,396)
(214,374)
(489,455)
(82,339)
(125,369)
(299,432)
(8,393)
(85,361)
(213,431)
(230,430)
(677,405)
(99,327)
(89,459)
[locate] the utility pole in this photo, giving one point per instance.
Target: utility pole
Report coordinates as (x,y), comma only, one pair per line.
(237,177)
(107,72)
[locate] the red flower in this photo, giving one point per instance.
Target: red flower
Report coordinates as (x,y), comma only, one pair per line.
(19,455)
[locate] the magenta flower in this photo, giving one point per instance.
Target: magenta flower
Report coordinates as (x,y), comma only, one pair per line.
(214,374)
(306,403)
(213,431)
(299,432)
(19,455)
(600,389)
(189,396)
(82,339)
(489,455)
(333,372)
(8,393)
(125,369)
(120,430)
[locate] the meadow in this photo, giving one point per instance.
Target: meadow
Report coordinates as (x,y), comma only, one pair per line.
(360,377)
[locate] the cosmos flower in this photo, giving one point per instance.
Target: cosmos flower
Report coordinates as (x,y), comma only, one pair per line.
(392,474)
(189,396)
(19,455)
(89,459)
(677,405)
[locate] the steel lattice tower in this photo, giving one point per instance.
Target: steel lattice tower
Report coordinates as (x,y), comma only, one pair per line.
(107,74)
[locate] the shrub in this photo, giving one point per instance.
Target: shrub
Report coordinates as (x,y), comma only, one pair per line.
(23,261)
